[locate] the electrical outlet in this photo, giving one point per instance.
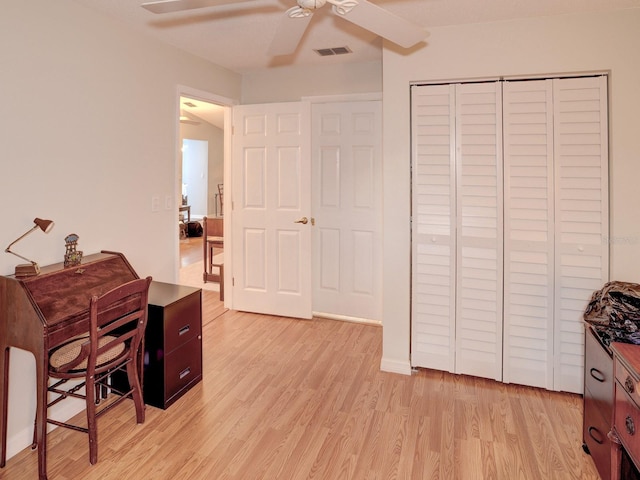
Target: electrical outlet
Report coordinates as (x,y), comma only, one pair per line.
(155,203)
(168,202)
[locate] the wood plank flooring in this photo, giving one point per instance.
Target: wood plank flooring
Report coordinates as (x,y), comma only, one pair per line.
(294,399)
(191,250)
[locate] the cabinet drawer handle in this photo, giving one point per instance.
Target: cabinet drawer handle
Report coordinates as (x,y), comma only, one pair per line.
(597,374)
(185,372)
(184,330)
(630,426)
(598,438)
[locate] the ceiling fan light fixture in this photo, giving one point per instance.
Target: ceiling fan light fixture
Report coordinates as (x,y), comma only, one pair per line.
(294,23)
(311,4)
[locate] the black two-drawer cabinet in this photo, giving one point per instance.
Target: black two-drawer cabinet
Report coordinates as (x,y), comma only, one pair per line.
(172,344)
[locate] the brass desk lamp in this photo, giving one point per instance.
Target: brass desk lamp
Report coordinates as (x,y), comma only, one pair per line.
(32,268)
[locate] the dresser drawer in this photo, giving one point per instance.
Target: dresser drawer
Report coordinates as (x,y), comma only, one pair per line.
(598,374)
(627,381)
(627,422)
(183,367)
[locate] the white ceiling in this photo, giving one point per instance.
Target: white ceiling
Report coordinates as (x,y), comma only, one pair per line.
(196,110)
(237,35)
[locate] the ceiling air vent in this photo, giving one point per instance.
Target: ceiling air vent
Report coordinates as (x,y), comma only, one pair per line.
(325,52)
(190,104)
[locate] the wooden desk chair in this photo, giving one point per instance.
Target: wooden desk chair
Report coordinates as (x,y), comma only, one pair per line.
(213,238)
(117,321)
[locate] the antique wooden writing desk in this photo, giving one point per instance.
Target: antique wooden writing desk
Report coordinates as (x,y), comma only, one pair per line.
(40,312)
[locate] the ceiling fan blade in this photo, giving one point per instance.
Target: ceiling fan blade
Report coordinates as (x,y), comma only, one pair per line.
(384,23)
(289,31)
(169,6)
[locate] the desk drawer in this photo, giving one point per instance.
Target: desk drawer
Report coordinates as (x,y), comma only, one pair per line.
(627,422)
(183,367)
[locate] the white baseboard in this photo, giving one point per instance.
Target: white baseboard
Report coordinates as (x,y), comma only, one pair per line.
(346,318)
(18,441)
(395,366)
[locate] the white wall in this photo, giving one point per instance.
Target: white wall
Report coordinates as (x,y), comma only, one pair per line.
(88,132)
(541,46)
(290,84)
(215,137)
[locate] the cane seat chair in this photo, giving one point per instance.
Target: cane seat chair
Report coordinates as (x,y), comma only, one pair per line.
(117,321)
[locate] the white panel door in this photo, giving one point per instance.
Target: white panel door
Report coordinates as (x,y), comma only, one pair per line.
(271,195)
(433,242)
(479,229)
(581,216)
(347,206)
(529,233)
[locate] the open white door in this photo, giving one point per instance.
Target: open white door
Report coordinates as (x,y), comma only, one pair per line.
(271,209)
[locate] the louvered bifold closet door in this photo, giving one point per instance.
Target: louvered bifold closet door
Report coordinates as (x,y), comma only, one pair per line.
(502,297)
(433,228)
(479,248)
(457,228)
(528,233)
(581,215)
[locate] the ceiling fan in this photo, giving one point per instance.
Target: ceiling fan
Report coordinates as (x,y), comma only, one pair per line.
(295,21)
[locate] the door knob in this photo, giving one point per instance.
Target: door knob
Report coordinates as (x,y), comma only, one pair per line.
(303,220)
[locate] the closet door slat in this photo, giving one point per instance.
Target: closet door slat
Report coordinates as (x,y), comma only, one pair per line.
(479,285)
(529,235)
(433,229)
(581,216)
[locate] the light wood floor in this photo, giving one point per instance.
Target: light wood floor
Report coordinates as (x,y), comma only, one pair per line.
(293,399)
(190,250)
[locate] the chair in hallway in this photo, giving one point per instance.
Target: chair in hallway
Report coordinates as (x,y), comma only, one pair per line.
(221,197)
(213,239)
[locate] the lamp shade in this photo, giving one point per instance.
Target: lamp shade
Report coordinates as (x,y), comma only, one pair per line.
(45,225)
